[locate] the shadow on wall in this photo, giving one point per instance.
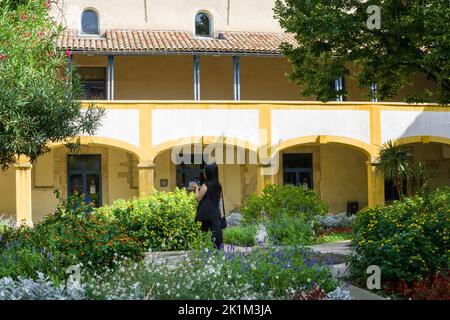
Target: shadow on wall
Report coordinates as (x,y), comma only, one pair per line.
(427,132)
(431,124)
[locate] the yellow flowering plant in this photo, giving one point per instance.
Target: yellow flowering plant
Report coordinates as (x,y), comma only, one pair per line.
(408,240)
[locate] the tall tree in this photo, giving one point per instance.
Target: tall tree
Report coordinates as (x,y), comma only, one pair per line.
(38,95)
(411,36)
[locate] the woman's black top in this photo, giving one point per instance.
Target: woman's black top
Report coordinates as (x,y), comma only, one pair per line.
(209,207)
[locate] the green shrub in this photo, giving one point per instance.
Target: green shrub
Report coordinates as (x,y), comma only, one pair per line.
(161,222)
(331,237)
(290,230)
(408,239)
(6,223)
(93,239)
(3,229)
(97,238)
(241,235)
(17,261)
(277,199)
(76,233)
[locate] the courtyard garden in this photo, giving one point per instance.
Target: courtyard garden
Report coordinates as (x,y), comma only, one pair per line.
(112,250)
(151,248)
(286,215)
(111,247)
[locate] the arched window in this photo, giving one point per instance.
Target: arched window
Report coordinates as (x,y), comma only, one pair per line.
(202,25)
(89,22)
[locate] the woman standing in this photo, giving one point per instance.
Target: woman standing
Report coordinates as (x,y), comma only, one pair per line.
(208,210)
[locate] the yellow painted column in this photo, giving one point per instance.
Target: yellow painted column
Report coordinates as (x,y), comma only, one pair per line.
(375,182)
(375,186)
(268,165)
(266,175)
(275,167)
(23,191)
(146,167)
(145,132)
(261,181)
(146,178)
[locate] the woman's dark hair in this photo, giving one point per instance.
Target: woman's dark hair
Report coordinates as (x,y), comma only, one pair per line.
(212,177)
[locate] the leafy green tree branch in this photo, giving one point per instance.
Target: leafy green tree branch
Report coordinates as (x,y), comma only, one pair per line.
(38,95)
(332,35)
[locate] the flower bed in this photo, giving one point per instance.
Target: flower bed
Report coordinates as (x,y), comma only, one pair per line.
(288,214)
(80,233)
(433,288)
(108,243)
(67,238)
(409,240)
(292,230)
(281,273)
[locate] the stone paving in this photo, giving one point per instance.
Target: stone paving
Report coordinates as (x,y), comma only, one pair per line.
(341,247)
(340,270)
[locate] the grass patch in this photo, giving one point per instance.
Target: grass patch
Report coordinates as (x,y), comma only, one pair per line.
(332,237)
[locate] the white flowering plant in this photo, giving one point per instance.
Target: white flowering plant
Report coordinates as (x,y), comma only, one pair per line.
(264,273)
(234,219)
(40,288)
(6,223)
(341,220)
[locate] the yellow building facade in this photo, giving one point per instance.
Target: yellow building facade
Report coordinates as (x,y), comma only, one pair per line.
(169,92)
(139,160)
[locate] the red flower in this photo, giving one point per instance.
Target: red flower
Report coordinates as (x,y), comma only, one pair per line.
(3,57)
(436,287)
(47,4)
(68,53)
(27,34)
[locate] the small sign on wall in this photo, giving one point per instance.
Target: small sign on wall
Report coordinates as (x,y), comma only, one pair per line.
(163,183)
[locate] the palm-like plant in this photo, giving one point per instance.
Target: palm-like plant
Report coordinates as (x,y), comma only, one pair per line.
(395,164)
(418,181)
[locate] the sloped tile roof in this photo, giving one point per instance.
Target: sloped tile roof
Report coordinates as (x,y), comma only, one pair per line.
(154,42)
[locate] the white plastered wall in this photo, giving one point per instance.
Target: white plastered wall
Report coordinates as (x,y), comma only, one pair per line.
(227,15)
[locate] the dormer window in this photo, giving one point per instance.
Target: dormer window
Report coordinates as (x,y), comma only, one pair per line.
(89,22)
(202,25)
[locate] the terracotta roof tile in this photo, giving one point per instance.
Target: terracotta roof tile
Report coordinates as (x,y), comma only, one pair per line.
(131,41)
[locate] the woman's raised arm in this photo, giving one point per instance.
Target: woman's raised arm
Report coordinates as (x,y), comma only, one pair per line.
(200,193)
